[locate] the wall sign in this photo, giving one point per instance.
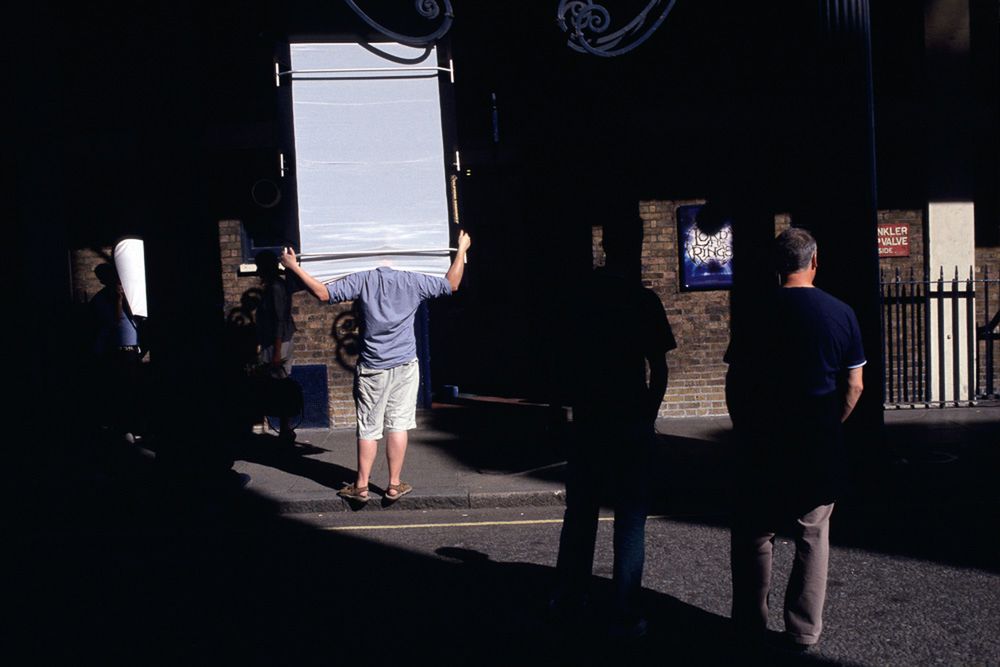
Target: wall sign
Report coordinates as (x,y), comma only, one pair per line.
(893,240)
(705,240)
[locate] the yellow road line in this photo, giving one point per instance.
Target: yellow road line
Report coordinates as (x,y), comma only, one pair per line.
(463,524)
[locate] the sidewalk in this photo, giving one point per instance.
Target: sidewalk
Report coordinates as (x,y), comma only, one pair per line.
(470,454)
(483,452)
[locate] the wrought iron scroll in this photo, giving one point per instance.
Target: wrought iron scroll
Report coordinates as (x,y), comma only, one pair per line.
(588,23)
(429,9)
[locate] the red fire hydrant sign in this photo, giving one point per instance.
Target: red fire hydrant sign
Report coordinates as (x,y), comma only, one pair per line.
(893,240)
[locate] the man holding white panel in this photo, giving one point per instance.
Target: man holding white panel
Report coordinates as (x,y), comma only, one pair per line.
(387,377)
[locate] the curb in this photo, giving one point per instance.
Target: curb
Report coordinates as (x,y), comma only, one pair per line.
(415,501)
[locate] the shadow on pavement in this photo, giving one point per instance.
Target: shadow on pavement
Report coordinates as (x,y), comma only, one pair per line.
(923,489)
(502,437)
(146,570)
(935,497)
(293,458)
(928,491)
(121,564)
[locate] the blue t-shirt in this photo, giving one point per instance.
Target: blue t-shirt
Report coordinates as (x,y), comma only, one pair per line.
(817,339)
(114,329)
(388,302)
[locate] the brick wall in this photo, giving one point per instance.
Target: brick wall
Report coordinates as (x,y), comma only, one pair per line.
(700,320)
(82,265)
(988,265)
(904,322)
(782,221)
(915,262)
(597,246)
(327,335)
(987,262)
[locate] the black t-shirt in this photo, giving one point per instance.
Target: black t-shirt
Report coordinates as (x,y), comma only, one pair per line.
(614,326)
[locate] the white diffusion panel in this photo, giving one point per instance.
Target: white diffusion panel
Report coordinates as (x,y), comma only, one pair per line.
(369,160)
(130,263)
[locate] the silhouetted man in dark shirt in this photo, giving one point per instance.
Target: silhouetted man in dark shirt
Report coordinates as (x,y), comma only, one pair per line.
(618,328)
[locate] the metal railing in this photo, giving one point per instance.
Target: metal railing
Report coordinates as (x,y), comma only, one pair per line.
(938,348)
(988,336)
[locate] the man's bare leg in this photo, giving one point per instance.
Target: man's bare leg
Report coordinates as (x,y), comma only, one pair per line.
(395,452)
(367,450)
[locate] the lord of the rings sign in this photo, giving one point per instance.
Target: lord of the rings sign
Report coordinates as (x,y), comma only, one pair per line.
(705,241)
(894,240)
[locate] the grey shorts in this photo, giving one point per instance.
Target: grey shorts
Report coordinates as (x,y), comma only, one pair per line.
(386,398)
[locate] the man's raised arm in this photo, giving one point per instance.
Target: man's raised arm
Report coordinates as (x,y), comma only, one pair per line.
(454,275)
(290,262)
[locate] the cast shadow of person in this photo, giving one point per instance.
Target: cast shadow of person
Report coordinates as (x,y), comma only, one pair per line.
(259,336)
(527,633)
(275,329)
(242,357)
(617,330)
(240,348)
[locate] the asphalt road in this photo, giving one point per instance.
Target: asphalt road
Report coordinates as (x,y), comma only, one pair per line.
(882,609)
(186,580)
(140,569)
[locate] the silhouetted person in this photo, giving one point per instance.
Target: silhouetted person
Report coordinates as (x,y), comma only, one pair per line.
(387,378)
(617,330)
(117,355)
(275,327)
(793,382)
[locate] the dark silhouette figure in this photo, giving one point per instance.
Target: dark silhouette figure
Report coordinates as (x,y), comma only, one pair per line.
(618,329)
(792,383)
(117,357)
(275,330)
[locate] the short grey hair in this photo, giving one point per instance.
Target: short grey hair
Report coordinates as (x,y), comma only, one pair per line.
(793,250)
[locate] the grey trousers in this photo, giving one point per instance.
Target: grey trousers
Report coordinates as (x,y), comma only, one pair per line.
(752,542)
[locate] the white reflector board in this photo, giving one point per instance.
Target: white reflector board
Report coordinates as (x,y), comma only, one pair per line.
(369,159)
(130,262)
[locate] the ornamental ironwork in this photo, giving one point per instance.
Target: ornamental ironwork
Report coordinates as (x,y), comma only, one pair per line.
(588,23)
(428,9)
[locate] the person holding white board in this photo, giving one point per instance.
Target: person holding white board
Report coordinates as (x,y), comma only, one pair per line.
(387,377)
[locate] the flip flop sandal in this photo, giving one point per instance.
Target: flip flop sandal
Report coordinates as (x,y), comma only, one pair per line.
(401,490)
(352,492)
